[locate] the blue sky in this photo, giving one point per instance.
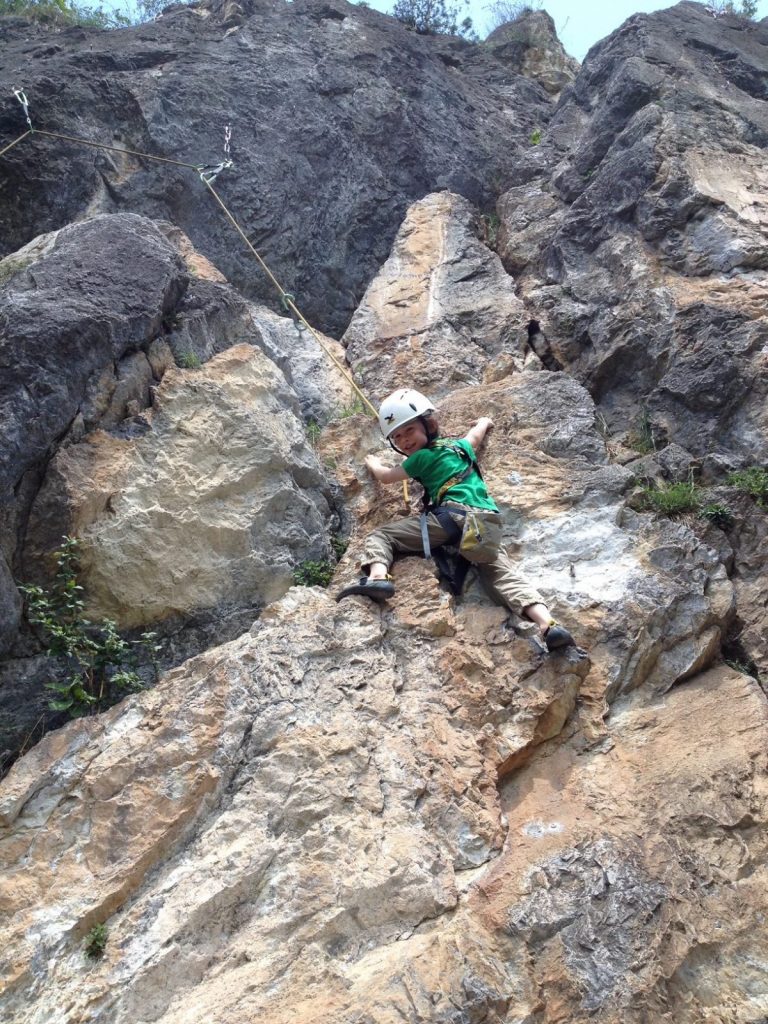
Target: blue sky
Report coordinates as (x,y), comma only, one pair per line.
(579,25)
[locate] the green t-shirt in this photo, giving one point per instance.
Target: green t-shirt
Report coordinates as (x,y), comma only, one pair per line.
(436,464)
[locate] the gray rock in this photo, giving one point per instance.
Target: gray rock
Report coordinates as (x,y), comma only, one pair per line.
(530,44)
(440,309)
(341,118)
(10,608)
(93,315)
(601,901)
(641,254)
(100,293)
(671,464)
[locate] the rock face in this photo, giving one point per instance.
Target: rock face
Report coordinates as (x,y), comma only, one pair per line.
(79,309)
(409,812)
(638,244)
(328,836)
(214,504)
(441,309)
(194,492)
(531,45)
(101,290)
(643,254)
(341,118)
(638,917)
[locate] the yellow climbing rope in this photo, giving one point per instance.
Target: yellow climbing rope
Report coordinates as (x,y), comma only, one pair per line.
(287,299)
(208,175)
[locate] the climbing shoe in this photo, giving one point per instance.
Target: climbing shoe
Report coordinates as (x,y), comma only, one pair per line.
(377,590)
(556,637)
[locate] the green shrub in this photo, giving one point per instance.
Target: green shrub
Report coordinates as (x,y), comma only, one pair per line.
(434,17)
(353,408)
(314,574)
(63,14)
(536,136)
(502,12)
(60,14)
(746,9)
(314,430)
(717,514)
(339,545)
(189,361)
(641,438)
(98,665)
(672,499)
(95,942)
(747,668)
(11,265)
(491,224)
(753,481)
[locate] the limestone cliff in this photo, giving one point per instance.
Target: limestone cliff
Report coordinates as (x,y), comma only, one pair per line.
(345,812)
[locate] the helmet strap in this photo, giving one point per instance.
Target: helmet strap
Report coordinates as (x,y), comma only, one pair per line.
(431,432)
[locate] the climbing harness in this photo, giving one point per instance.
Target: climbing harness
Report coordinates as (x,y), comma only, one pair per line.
(478,538)
(208,175)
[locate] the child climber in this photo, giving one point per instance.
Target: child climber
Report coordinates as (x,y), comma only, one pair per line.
(460,511)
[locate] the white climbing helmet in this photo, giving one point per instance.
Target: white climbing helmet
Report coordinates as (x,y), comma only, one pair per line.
(402,407)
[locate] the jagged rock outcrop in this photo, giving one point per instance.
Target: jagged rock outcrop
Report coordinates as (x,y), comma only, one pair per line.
(638,244)
(214,503)
(193,492)
(341,117)
(329,831)
(441,309)
(633,881)
(638,238)
(530,44)
(410,812)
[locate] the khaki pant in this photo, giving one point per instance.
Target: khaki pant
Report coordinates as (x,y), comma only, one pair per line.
(404,537)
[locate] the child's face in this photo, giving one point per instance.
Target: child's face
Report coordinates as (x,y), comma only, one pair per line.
(410,438)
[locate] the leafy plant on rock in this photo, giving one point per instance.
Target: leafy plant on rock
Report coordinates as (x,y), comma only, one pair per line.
(746,9)
(491,225)
(717,514)
(753,481)
(314,430)
(314,573)
(95,942)
(673,499)
(641,438)
(353,408)
(98,665)
(339,545)
(502,12)
(434,17)
(746,668)
(189,360)
(59,14)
